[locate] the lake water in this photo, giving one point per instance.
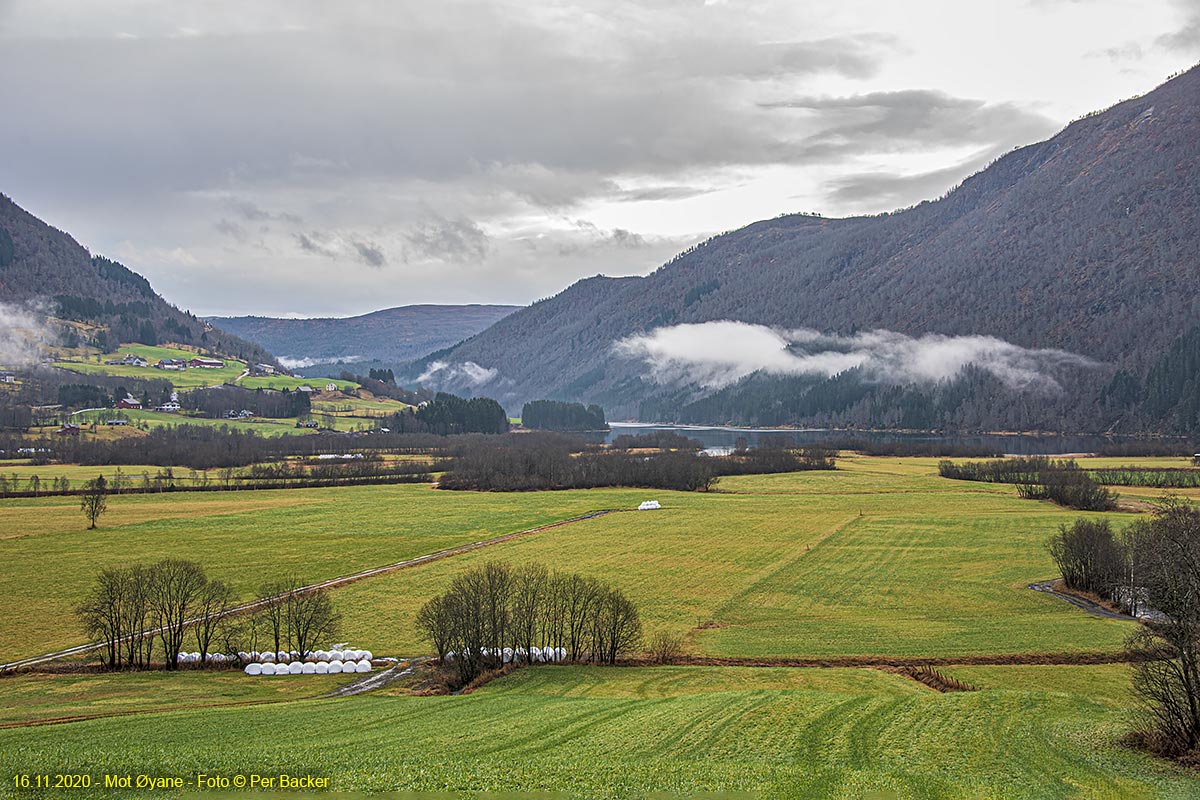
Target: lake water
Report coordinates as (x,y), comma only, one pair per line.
(719,439)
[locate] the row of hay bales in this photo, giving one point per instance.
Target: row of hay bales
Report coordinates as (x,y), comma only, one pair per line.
(282,657)
(534,655)
(308,667)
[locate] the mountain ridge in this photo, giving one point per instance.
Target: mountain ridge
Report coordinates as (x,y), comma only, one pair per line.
(1084,242)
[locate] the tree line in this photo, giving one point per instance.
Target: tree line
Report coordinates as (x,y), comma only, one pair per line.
(554,415)
(537,461)
(1061,480)
(139,611)
(450,414)
(497,613)
(1153,567)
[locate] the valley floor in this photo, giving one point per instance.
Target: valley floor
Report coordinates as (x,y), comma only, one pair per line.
(880,560)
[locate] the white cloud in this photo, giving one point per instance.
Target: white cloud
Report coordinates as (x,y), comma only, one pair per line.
(467,373)
(717,354)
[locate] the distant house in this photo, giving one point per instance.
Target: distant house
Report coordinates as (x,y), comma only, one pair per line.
(7,377)
(132,360)
(170,408)
(171,363)
(304,388)
(264,369)
(129,402)
(206,363)
(70,429)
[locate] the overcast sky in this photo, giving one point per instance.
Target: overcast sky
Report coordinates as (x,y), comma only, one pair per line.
(317,158)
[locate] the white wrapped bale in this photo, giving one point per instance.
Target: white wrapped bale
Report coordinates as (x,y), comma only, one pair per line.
(321,667)
(368,655)
(295,655)
(296,668)
(310,658)
(335,667)
(310,668)
(254,669)
(335,655)
(283,657)
(266,658)
(266,669)
(535,654)
(363,666)
(507,656)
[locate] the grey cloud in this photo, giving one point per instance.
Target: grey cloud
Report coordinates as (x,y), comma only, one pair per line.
(310,244)
(893,121)
(1187,38)
(370,254)
(454,240)
(24,333)
(656,193)
(876,189)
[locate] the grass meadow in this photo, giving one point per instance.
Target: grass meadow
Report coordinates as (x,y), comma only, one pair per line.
(880,558)
(585,733)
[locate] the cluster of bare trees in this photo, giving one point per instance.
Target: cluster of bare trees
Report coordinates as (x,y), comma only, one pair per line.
(1165,570)
(497,613)
(1038,478)
(1152,567)
(142,610)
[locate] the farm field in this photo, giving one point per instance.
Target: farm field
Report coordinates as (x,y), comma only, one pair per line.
(159,419)
(182,379)
(282,382)
(42,697)
(244,538)
(811,733)
(881,558)
(863,561)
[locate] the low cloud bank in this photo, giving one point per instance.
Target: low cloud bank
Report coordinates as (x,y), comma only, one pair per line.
(466,372)
(717,354)
(23,334)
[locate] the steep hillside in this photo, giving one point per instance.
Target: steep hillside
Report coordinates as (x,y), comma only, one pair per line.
(45,272)
(1087,242)
(394,335)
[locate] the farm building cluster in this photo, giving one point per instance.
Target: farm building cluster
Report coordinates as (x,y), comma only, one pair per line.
(134,360)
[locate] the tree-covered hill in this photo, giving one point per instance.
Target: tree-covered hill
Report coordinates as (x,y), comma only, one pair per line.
(46,272)
(1087,242)
(393,335)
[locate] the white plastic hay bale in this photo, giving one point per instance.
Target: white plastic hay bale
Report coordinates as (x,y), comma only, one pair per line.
(283,657)
(507,657)
(310,657)
(335,667)
(243,656)
(254,669)
(266,658)
(266,669)
(368,655)
(296,668)
(335,655)
(560,654)
(310,668)
(649,505)
(322,667)
(363,666)
(181,658)
(535,653)
(449,656)
(322,655)
(295,655)
(520,654)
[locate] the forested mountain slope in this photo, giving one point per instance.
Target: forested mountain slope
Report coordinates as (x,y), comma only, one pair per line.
(44,270)
(1087,242)
(393,335)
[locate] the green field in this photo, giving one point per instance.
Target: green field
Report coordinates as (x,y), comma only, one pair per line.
(182,379)
(158,419)
(811,733)
(881,558)
(243,538)
(282,382)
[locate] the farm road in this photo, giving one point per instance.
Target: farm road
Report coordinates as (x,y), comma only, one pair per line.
(329,584)
(1096,609)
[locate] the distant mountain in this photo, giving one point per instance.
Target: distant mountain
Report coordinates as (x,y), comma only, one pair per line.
(45,273)
(394,335)
(1087,242)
